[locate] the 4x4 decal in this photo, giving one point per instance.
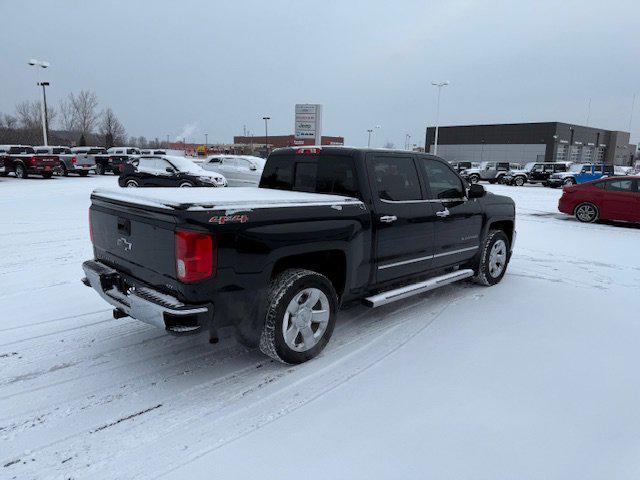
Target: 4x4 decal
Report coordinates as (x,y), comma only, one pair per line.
(222,219)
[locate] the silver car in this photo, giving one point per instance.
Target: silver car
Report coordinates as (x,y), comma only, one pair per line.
(239,170)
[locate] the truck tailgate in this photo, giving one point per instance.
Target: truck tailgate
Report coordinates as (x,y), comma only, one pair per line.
(137,242)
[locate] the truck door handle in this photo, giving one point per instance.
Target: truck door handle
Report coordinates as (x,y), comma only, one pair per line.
(443,213)
(388,218)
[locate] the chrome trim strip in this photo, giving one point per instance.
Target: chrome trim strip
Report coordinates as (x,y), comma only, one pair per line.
(405,262)
(428,257)
(431,200)
(453,252)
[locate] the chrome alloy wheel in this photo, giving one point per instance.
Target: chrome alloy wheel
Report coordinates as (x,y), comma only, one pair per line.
(305,319)
(586,213)
(497,258)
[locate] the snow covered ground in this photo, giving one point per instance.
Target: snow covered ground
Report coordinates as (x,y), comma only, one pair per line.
(534,378)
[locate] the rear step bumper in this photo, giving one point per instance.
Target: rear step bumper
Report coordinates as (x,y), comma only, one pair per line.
(144,303)
(416,288)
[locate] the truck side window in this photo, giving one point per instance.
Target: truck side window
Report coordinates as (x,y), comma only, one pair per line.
(396,178)
(443,183)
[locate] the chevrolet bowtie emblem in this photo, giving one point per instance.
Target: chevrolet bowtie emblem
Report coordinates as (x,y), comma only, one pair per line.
(122,242)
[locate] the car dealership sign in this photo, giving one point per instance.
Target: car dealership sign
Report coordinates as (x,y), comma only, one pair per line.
(308,122)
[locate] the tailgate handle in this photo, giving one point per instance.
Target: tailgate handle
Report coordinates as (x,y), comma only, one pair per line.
(124,226)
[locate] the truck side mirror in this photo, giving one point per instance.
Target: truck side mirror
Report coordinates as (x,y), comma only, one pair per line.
(169,170)
(476,191)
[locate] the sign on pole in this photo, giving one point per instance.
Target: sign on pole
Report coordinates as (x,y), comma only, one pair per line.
(308,122)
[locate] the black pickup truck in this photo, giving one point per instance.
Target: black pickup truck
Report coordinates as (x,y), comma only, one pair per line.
(327,226)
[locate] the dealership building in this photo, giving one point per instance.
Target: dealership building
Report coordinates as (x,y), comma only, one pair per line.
(531,142)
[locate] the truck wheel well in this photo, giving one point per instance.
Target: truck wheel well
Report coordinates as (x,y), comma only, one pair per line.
(331,263)
(506,226)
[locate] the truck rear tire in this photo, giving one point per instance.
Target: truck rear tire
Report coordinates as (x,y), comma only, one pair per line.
(63,170)
(21,171)
(100,169)
(301,312)
(519,181)
(494,258)
(474,178)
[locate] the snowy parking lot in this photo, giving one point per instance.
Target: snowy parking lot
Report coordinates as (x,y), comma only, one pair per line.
(536,377)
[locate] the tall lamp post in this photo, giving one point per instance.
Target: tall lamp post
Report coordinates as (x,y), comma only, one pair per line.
(266,134)
(439,85)
(206,143)
(370,131)
(42,64)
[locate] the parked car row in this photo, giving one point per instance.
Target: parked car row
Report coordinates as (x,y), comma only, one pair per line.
(25,160)
(549,174)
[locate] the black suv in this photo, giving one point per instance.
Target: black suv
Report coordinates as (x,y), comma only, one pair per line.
(168,171)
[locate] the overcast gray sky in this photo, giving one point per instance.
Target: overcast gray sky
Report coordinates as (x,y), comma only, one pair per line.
(166,66)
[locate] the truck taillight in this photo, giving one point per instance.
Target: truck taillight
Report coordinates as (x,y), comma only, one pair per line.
(90,227)
(33,160)
(196,256)
(74,160)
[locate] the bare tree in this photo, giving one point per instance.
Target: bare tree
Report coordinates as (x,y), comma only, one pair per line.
(85,111)
(142,142)
(68,121)
(111,128)
(10,121)
(389,145)
(29,116)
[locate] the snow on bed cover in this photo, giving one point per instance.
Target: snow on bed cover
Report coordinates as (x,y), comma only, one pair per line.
(194,198)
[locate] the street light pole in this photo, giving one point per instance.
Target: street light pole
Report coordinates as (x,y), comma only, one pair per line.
(369,130)
(439,85)
(266,134)
(43,111)
(167,141)
(206,140)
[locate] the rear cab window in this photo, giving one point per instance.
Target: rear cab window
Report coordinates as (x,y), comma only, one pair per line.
(326,172)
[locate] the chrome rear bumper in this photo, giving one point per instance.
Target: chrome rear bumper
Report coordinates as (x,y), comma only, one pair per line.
(144,303)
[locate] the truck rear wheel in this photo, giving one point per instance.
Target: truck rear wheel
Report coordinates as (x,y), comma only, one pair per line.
(518,181)
(301,313)
(474,178)
(494,258)
(21,171)
(100,169)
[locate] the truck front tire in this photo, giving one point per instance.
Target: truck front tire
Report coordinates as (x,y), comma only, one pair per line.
(494,258)
(300,316)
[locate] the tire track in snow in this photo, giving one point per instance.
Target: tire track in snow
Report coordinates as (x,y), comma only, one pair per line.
(240,394)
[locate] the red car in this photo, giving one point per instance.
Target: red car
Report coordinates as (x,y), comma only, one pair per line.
(612,198)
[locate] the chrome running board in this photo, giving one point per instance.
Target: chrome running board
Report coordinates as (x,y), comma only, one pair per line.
(416,288)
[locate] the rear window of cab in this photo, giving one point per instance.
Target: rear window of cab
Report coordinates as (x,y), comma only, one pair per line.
(324,173)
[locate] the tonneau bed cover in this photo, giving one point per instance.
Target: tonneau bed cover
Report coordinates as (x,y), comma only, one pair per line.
(219,198)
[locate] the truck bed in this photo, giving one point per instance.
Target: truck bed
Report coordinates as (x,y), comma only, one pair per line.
(219,198)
